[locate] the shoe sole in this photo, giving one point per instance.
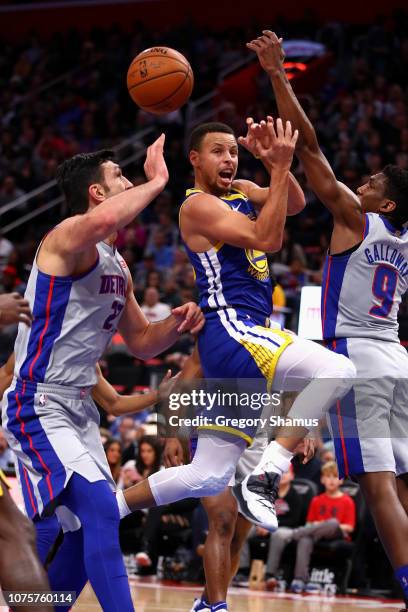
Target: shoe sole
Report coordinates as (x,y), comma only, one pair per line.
(245,511)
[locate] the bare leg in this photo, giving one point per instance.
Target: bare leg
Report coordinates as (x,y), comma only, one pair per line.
(242,528)
(389,513)
(222,515)
(20,568)
(402,489)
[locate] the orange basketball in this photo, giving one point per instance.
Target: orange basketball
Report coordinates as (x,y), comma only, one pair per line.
(160,80)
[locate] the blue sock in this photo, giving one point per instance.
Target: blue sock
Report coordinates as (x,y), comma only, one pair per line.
(47,530)
(401,575)
(221,605)
(95,505)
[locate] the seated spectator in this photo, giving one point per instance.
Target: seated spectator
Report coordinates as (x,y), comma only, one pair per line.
(153,308)
(148,458)
(6,248)
(6,454)
(113,451)
(162,253)
(331,516)
(126,430)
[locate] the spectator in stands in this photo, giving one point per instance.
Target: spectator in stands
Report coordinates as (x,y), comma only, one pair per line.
(6,454)
(113,451)
(153,308)
(162,253)
(289,513)
(331,516)
(6,247)
(148,458)
(127,437)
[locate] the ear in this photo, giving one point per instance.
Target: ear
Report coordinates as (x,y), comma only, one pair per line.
(388,207)
(96,193)
(194,158)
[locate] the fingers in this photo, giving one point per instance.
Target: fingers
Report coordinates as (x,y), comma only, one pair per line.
(295,137)
(25,319)
(279,128)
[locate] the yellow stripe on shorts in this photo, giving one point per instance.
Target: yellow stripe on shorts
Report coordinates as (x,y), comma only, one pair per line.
(230,430)
(4,480)
(267,358)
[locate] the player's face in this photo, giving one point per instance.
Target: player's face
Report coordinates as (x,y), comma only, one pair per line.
(372,194)
(113,180)
(216,162)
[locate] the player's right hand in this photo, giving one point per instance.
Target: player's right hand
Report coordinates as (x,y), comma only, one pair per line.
(155,166)
(276,146)
(269,51)
(173,453)
(14,309)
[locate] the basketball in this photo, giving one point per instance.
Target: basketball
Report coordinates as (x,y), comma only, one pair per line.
(160,80)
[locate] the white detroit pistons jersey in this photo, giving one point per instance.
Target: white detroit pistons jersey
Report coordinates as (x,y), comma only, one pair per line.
(75,317)
(363,287)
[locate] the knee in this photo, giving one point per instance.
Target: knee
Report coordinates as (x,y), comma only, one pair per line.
(223,522)
(211,483)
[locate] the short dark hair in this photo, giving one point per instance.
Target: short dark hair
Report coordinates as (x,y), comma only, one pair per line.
(200,131)
(396,189)
(75,175)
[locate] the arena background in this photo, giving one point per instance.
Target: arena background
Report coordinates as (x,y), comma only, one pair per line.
(63,91)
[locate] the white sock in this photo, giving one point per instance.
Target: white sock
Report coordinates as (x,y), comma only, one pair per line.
(124,509)
(275,458)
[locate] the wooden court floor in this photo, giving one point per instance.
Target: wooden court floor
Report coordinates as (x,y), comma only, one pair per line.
(153,597)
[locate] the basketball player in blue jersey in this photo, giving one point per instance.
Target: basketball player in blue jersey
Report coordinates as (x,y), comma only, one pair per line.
(365,276)
(226,240)
(80,292)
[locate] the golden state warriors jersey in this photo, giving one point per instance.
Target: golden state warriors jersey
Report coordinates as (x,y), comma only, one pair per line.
(229,276)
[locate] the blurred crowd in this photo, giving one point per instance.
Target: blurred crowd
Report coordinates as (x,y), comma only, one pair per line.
(68,95)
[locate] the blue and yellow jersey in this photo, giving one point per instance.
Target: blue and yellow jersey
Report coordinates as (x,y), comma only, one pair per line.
(229,276)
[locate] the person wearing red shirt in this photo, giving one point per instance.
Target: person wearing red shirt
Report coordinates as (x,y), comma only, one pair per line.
(331,516)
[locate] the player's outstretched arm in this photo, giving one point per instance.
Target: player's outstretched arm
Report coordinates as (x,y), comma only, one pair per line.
(146,340)
(218,223)
(341,201)
(79,233)
(118,405)
(258,195)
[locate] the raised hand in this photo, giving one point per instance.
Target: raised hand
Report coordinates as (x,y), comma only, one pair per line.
(155,166)
(276,147)
(14,309)
(269,51)
(254,131)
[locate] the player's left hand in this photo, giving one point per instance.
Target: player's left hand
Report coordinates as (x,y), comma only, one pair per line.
(167,385)
(191,318)
(269,51)
(255,132)
(308,450)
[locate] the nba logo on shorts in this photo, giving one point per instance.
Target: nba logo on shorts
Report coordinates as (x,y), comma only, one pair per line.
(43,399)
